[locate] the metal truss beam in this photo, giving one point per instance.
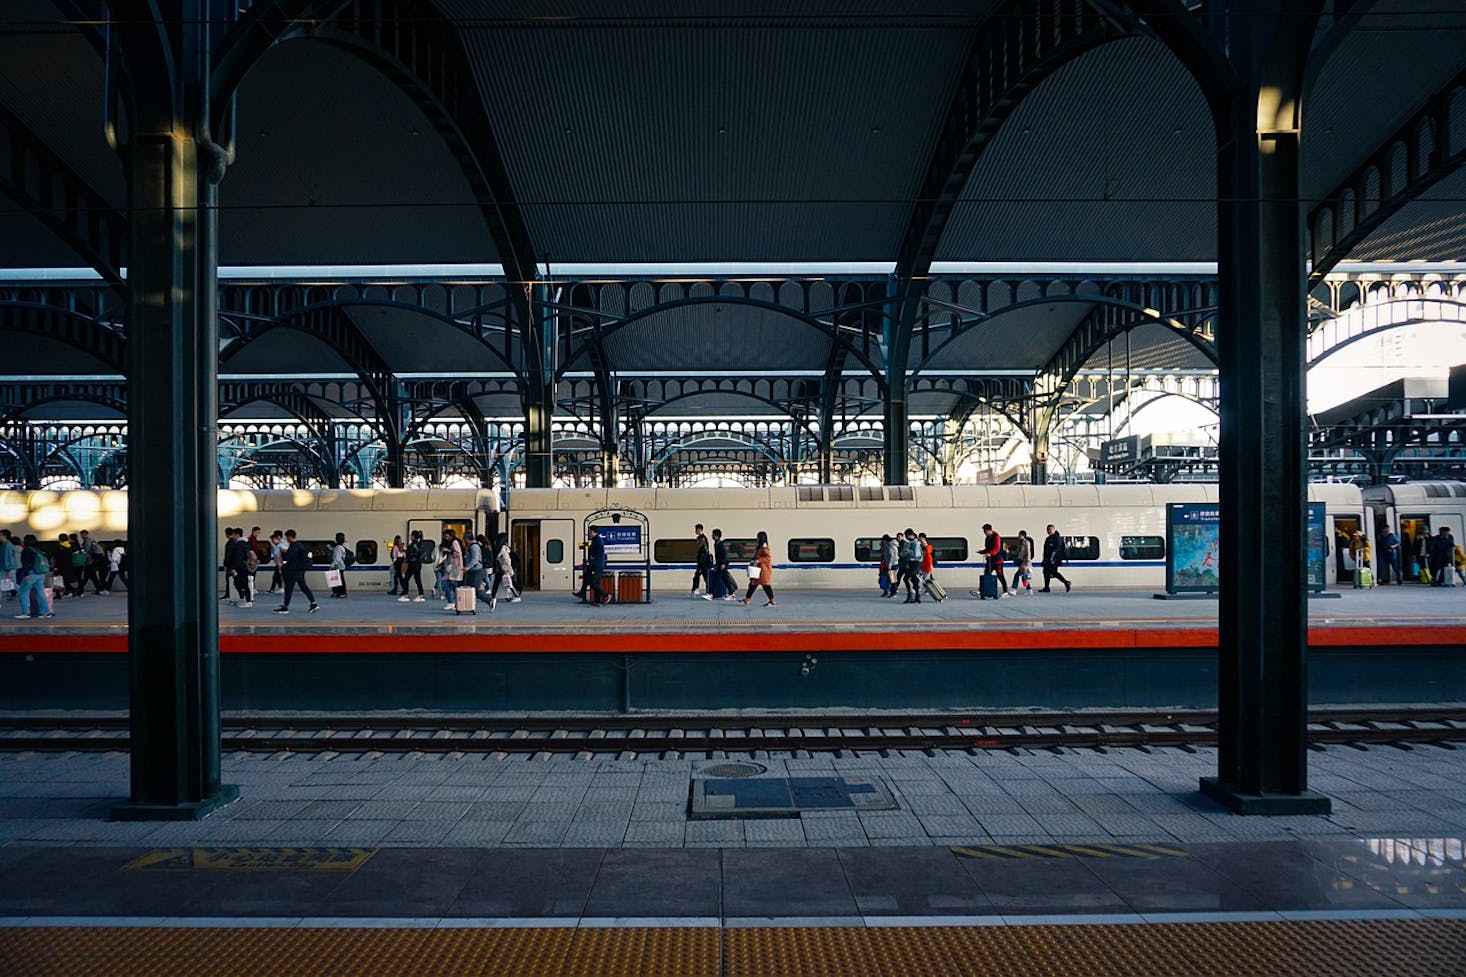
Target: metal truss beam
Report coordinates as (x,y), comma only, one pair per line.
(18,397)
(257,26)
(41,182)
(332,326)
(1015,50)
(66,326)
(1415,158)
(423,53)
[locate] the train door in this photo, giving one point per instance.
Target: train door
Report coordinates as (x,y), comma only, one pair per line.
(546,551)
(1345,526)
(1414,530)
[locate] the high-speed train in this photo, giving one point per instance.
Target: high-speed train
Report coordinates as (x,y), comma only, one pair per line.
(823,536)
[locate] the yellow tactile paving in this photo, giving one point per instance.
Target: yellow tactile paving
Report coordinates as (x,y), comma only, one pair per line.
(1348,948)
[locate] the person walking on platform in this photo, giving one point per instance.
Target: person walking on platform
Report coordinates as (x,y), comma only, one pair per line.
(908,558)
(451,566)
(473,563)
(339,563)
(763,559)
(414,558)
(595,568)
(95,569)
(928,559)
(9,564)
(397,560)
(992,549)
(1021,551)
(235,549)
(277,561)
(1441,557)
(35,596)
(721,579)
(704,563)
(295,562)
(1055,554)
(889,563)
(503,570)
(1389,564)
(117,564)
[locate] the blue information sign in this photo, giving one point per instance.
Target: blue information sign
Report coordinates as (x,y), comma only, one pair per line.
(1193,556)
(623,540)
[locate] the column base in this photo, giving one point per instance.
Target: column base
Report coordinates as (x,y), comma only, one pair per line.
(1238,802)
(190,811)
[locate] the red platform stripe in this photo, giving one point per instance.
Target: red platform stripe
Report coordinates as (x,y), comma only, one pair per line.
(664,642)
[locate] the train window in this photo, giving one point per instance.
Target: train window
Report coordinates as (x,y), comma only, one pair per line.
(1142,547)
(741,549)
(948,549)
(555,551)
(868,550)
(366,552)
(319,550)
(811,551)
(1082,547)
(675,550)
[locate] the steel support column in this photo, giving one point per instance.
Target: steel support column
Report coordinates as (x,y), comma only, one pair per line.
(1263,621)
(172,412)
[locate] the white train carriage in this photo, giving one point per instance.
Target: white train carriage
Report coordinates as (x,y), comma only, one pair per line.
(829,536)
(1416,510)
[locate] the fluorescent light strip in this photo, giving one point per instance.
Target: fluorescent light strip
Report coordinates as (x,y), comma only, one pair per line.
(698,270)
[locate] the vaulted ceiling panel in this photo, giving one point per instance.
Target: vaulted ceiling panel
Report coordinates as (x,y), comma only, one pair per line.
(1111,159)
(335,165)
(742,139)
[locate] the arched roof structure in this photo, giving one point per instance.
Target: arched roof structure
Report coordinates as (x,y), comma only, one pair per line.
(824,188)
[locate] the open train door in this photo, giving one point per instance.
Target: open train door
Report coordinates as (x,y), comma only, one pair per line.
(546,549)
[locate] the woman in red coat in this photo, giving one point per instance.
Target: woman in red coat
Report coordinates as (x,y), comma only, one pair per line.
(763,558)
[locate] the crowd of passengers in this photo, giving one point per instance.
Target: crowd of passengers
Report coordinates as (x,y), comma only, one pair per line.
(1435,559)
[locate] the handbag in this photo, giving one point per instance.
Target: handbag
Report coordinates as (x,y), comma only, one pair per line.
(754,573)
(333,578)
(6,585)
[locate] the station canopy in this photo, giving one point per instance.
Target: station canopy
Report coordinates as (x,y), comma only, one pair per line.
(676,133)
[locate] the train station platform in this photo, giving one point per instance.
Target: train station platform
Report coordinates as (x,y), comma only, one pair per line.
(811,650)
(1006,862)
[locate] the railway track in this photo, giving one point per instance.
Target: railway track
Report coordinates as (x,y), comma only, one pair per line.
(680,735)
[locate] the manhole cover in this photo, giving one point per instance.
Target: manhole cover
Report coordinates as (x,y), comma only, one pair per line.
(732,771)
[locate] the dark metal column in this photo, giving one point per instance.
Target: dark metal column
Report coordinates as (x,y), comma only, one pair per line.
(1262,760)
(172,393)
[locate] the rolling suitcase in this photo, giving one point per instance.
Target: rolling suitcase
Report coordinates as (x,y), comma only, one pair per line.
(1363,577)
(935,590)
(987,586)
(465,601)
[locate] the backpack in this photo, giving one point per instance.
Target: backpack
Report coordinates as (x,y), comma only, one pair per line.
(350,558)
(43,562)
(78,558)
(251,560)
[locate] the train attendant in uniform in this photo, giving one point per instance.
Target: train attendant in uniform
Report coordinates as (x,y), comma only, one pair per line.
(763,558)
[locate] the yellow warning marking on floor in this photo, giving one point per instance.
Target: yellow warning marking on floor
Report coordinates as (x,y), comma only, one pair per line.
(251,860)
(1312,948)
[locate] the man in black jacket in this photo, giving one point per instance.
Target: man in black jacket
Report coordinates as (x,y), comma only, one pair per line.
(235,552)
(1055,553)
(720,568)
(297,562)
(704,562)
